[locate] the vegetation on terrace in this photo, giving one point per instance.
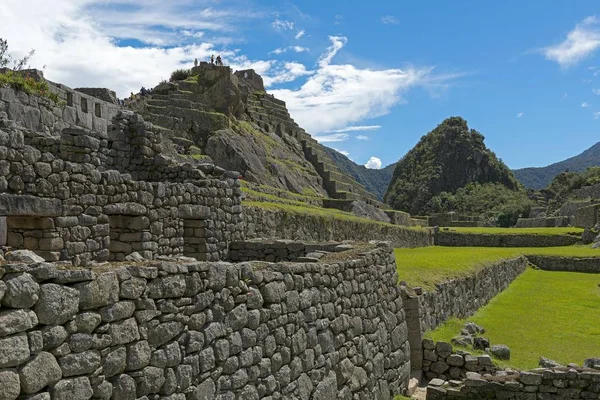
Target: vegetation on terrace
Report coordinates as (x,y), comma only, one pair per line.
(426,266)
(321,212)
(542,313)
(519,231)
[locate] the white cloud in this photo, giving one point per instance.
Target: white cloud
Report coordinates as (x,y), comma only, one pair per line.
(344,152)
(78,40)
(338,95)
(596,91)
(520,114)
(357,128)
(373,163)
(597,115)
(282,25)
(300,33)
(389,20)
(362,137)
(296,49)
(565,95)
(335,137)
(585,104)
(579,44)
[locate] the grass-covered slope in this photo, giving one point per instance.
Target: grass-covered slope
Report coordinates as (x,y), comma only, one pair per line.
(375,181)
(446,159)
(427,266)
(539,178)
(542,313)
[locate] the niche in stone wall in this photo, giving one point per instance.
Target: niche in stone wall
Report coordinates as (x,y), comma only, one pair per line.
(98,110)
(84,105)
(70,99)
(194,239)
(129,234)
(38,234)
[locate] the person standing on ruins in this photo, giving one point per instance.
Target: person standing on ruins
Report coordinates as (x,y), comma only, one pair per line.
(212,59)
(195,62)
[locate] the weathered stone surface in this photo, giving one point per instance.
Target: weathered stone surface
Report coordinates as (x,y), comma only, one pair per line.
(102,291)
(326,389)
(14,350)
(15,321)
(42,370)
(205,390)
(114,363)
(54,336)
(138,355)
(23,256)
(73,389)
(21,291)
(500,351)
(57,304)
(124,332)
(124,388)
(10,385)
(79,363)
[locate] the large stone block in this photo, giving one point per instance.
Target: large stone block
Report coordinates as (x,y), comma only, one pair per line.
(15,321)
(41,371)
(57,304)
(21,291)
(27,205)
(102,291)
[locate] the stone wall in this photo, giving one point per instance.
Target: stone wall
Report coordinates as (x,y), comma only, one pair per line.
(41,114)
(459,298)
(545,222)
(588,192)
(540,384)
(441,361)
(282,250)
(103,94)
(201,330)
(449,238)
(270,223)
(454,219)
(568,264)
(102,194)
(587,217)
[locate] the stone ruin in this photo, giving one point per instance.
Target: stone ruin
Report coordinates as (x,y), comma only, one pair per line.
(89,182)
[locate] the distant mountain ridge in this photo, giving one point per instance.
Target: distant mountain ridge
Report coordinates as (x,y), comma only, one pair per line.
(375,181)
(540,178)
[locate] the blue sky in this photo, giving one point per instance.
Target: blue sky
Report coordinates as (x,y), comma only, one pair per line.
(367,78)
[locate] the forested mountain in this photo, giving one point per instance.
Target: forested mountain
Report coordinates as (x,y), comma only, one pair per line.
(540,178)
(445,160)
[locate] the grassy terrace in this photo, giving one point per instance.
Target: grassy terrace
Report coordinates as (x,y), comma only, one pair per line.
(426,266)
(518,231)
(321,212)
(542,313)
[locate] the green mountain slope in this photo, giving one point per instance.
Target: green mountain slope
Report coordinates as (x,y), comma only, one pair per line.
(375,181)
(539,178)
(446,159)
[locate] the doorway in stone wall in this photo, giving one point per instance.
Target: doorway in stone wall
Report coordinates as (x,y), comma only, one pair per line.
(194,239)
(130,234)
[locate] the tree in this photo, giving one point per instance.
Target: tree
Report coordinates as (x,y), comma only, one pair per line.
(5,57)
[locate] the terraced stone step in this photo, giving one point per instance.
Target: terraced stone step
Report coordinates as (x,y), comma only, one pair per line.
(174,102)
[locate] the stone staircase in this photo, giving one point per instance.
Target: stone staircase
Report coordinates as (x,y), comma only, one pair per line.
(271,115)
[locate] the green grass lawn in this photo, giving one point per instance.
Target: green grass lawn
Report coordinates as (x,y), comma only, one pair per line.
(426,266)
(542,313)
(519,231)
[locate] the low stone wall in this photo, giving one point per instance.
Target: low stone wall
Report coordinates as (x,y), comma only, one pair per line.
(449,238)
(204,331)
(270,223)
(440,361)
(280,250)
(568,264)
(542,384)
(548,222)
(588,192)
(455,298)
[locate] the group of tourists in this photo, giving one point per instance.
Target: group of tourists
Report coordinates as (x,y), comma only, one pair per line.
(214,61)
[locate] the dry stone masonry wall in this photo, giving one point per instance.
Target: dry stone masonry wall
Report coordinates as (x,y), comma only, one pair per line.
(458,298)
(202,330)
(538,384)
(268,223)
(103,193)
(449,238)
